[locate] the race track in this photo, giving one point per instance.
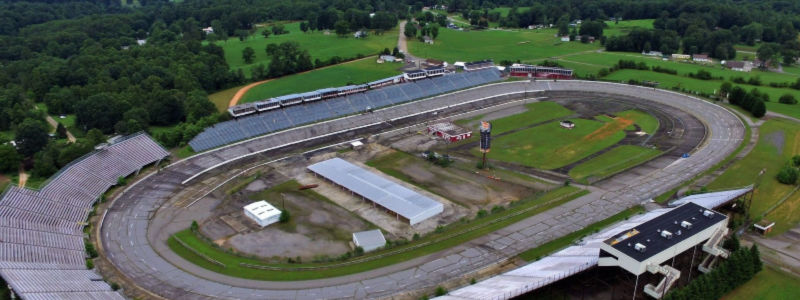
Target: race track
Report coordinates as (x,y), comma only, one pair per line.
(136,253)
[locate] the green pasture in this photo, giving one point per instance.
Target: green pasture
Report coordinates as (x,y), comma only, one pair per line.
(614,161)
(778,141)
(442,239)
(453,45)
(356,72)
(768,284)
(320,45)
(223,97)
(549,146)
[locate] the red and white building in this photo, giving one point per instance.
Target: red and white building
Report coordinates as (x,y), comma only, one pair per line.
(449,132)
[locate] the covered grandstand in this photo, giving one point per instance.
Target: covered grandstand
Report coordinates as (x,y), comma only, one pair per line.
(396,198)
(42,253)
(577,258)
(311,112)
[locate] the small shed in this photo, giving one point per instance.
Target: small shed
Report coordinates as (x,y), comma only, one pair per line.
(764,226)
(262,213)
(567,124)
(369,240)
(449,132)
(356,145)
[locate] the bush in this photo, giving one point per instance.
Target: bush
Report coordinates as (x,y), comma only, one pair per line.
(90,250)
(114,286)
(194,226)
(787,175)
(482,213)
(121,181)
(497,208)
(796,160)
(440,291)
(701,74)
(787,99)
(472,281)
(89,264)
(415,237)
(285,216)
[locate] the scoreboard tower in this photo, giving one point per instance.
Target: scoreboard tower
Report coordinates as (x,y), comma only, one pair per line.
(486,139)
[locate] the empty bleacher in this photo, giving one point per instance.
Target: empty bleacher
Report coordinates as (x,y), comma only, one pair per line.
(41,240)
(251,126)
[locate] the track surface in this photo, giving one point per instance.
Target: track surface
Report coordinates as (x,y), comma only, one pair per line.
(130,244)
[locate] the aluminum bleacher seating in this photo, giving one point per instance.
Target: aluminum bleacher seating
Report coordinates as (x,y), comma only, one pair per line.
(41,240)
(295,115)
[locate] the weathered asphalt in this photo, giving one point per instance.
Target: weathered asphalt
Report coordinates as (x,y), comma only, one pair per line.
(127,242)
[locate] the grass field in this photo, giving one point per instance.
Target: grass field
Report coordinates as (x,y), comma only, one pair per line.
(667,81)
(318,44)
(444,239)
(223,97)
(614,161)
(356,72)
(647,122)
(537,112)
(564,241)
(549,146)
(768,284)
(625,26)
(452,45)
(778,141)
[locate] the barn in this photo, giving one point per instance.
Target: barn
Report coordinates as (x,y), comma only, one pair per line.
(449,132)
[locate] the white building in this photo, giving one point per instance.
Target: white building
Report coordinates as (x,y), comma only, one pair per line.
(565,38)
(262,213)
(208,30)
(369,240)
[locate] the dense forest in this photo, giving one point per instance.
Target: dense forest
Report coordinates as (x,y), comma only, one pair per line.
(123,66)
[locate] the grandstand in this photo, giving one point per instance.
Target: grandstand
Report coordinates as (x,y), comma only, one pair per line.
(522,70)
(290,116)
(41,239)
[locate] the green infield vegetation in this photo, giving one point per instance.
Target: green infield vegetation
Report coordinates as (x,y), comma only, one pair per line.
(768,284)
(320,45)
(549,146)
(625,26)
(616,160)
(564,241)
(356,72)
(535,113)
(647,122)
(204,253)
(778,141)
(453,45)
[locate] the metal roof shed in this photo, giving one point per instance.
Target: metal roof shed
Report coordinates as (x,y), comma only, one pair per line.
(369,240)
(404,202)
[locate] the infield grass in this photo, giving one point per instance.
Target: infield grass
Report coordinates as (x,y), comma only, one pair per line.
(443,239)
(564,241)
(548,146)
(318,44)
(768,284)
(616,160)
(355,72)
(778,141)
(536,112)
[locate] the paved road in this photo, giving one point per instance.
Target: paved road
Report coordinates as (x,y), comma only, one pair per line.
(128,238)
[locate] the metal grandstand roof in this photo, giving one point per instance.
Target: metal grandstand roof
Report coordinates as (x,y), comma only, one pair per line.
(397,198)
(649,233)
(712,200)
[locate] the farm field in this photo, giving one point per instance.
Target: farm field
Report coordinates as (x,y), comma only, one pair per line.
(778,141)
(452,45)
(318,44)
(614,161)
(355,72)
(549,146)
(767,284)
(202,252)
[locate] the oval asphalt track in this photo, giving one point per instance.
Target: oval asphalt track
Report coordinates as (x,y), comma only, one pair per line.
(128,244)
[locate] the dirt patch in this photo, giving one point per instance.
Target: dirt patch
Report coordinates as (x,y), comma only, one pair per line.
(256,185)
(275,242)
(777,139)
(608,129)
